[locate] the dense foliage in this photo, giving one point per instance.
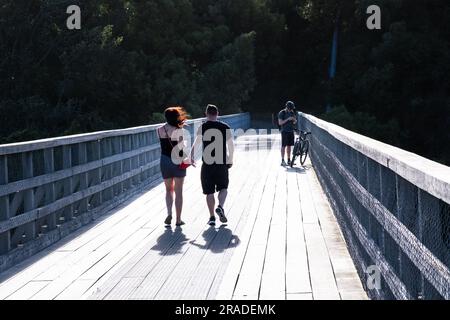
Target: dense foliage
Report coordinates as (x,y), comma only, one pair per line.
(133,57)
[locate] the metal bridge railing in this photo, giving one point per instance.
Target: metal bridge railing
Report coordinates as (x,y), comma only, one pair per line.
(51,187)
(393,208)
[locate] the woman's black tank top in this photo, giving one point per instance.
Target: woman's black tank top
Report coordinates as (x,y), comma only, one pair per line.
(167,146)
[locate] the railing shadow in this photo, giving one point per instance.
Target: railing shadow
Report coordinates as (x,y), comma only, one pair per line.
(59,245)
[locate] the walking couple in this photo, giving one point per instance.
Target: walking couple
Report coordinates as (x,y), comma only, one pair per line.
(216,140)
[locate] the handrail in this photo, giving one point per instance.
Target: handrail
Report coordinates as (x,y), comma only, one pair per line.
(51,187)
(84,137)
(426,174)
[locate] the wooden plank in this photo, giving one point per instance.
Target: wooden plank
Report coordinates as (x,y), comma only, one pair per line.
(299,296)
(323,281)
(75,290)
(347,278)
(248,285)
(297,270)
(19,277)
(307,205)
(58,285)
(116,254)
(27,291)
(273,280)
(124,288)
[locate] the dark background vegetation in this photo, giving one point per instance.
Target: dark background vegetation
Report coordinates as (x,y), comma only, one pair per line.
(132,58)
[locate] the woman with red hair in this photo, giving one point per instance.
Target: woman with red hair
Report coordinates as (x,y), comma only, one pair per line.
(172,154)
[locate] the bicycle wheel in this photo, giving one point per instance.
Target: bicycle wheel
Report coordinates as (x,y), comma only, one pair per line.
(295,153)
(304,152)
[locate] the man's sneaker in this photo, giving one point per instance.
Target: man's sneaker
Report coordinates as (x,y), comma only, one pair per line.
(212,221)
(221,213)
(168,220)
(283,163)
(289,162)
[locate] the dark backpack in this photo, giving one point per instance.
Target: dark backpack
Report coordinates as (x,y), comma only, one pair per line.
(275,121)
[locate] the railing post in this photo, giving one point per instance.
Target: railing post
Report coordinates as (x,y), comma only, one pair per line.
(421,286)
(135,161)
(49,167)
(28,200)
(141,157)
(380,172)
(119,148)
(68,183)
(432,229)
(408,215)
(109,193)
(374,188)
(129,161)
(5,238)
(84,179)
(97,179)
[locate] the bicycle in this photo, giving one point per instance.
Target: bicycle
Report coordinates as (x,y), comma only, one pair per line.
(301,148)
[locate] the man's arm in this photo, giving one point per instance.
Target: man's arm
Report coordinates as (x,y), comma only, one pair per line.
(282,122)
(197,141)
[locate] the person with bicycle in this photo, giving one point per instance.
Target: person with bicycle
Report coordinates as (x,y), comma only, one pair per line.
(287,120)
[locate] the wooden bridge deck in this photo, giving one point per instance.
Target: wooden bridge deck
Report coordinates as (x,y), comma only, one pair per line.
(282,242)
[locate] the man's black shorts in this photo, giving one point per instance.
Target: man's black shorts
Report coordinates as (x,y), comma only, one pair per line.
(287,139)
(214,178)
